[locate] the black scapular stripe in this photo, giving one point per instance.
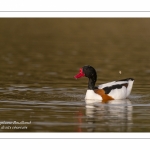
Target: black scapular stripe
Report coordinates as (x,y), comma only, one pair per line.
(127,79)
(117,86)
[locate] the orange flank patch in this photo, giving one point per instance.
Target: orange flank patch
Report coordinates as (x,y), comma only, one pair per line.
(104,96)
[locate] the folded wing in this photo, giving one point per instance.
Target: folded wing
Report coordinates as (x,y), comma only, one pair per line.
(118,89)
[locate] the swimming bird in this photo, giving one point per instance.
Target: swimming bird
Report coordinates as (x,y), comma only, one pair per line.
(119,89)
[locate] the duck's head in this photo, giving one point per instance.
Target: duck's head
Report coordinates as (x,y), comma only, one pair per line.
(87,71)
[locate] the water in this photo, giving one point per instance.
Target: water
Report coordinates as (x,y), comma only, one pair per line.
(39,57)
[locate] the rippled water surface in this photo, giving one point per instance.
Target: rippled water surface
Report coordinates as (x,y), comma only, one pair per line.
(39,57)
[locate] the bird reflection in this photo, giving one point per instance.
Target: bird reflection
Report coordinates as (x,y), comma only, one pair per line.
(113,116)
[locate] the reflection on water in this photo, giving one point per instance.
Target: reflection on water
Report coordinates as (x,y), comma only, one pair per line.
(116,115)
(39,57)
(55,110)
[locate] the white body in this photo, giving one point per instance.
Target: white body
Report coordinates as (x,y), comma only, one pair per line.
(121,93)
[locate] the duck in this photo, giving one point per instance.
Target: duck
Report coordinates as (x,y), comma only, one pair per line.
(115,90)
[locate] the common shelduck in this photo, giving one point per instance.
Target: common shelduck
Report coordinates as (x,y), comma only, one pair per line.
(120,89)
